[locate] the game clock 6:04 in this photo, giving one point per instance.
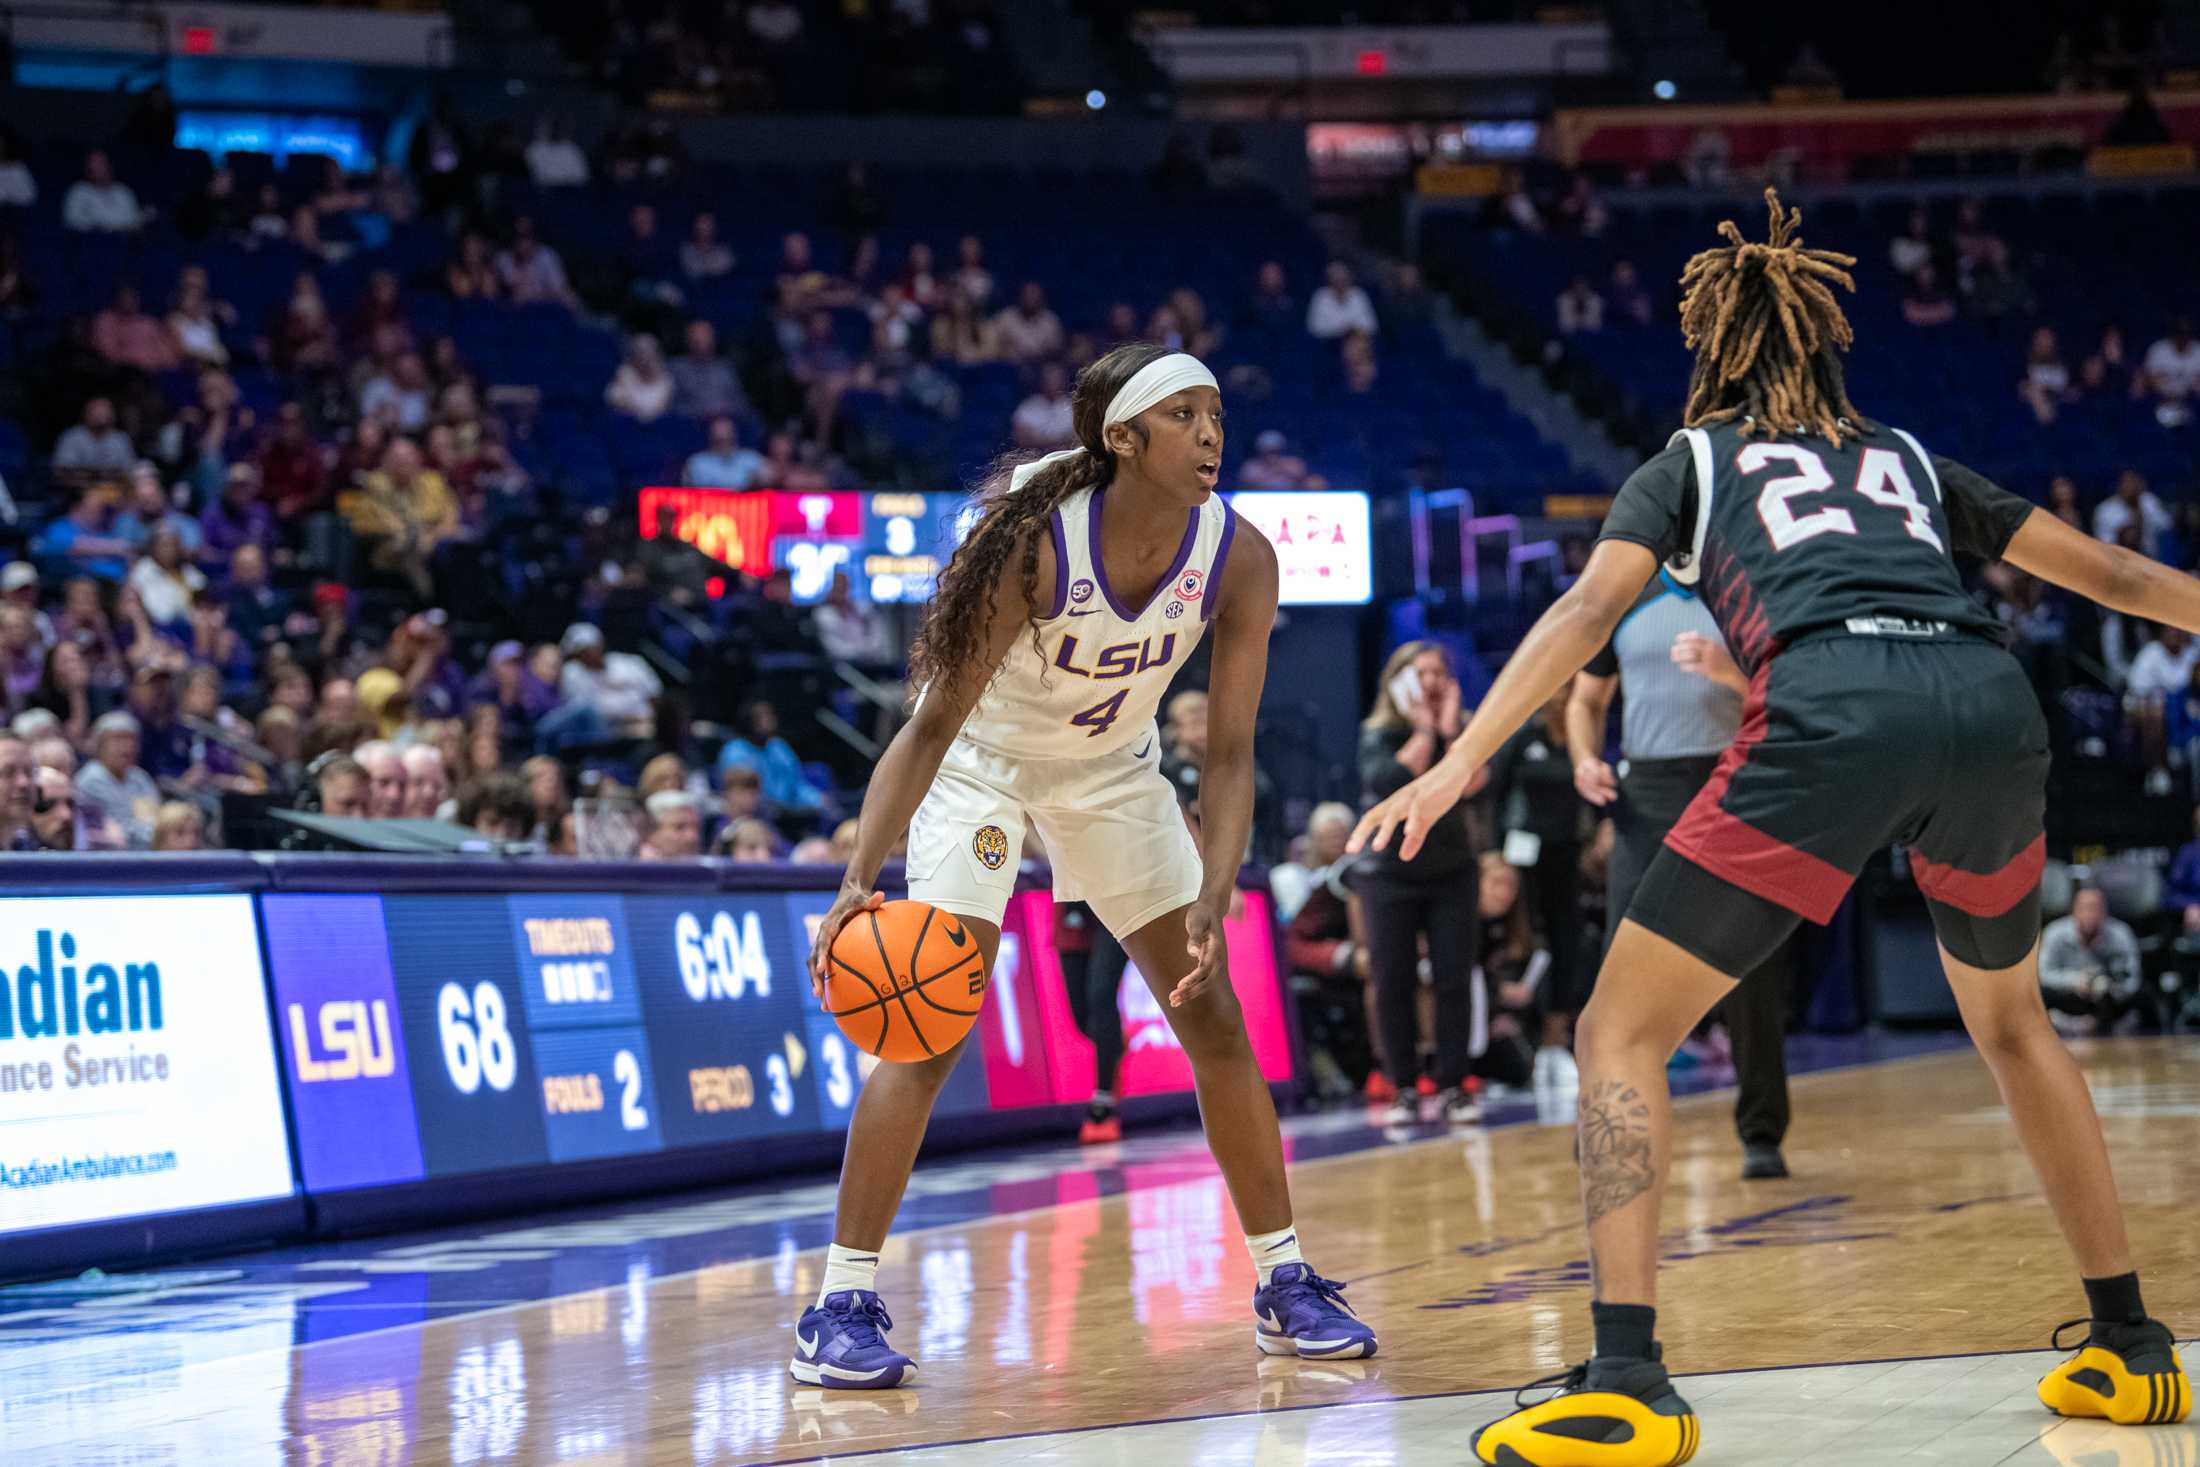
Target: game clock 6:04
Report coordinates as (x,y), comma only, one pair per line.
(727,1005)
(724,956)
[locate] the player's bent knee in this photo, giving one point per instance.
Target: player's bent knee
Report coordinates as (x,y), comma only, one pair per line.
(2005,1016)
(931,1075)
(1211,1025)
(1610,1032)
(1600,1036)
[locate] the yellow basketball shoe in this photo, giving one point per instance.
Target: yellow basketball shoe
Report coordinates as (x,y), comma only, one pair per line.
(1610,1412)
(2128,1373)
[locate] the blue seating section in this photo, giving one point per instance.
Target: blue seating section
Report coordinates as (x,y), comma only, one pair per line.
(2094,258)
(1091,240)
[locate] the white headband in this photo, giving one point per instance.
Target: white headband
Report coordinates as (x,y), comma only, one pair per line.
(1159,379)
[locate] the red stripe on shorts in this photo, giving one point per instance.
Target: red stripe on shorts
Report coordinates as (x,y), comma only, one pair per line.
(1734,850)
(1981,893)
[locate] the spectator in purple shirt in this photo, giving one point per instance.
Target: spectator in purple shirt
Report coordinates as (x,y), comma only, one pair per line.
(512,687)
(236,519)
(164,747)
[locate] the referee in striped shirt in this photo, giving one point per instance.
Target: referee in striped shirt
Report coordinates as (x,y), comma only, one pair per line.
(1681,703)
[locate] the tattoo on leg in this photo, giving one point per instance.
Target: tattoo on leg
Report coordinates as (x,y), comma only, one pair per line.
(1615,1148)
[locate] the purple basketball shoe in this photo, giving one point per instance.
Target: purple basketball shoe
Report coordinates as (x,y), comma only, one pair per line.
(1302,1313)
(841,1345)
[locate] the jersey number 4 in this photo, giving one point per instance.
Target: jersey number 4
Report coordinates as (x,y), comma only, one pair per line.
(1883,479)
(1097,719)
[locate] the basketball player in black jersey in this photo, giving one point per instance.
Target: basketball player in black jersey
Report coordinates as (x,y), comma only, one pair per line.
(1881,707)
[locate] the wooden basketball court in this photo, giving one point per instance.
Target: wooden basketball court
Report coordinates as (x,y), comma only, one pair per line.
(1102,1314)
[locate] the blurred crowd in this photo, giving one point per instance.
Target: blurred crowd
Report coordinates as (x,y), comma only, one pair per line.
(774,55)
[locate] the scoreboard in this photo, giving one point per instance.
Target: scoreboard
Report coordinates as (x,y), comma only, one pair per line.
(528,1030)
(432,1035)
(891,546)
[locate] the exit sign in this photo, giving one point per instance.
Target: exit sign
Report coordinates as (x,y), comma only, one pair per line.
(199,40)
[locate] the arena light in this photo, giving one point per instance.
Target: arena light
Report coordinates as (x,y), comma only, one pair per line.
(1664,90)
(1096,99)
(1373,63)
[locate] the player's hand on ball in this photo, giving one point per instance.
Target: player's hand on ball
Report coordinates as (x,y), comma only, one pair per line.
(1210,956)
(1415,808)
(846,905)
(1595,781)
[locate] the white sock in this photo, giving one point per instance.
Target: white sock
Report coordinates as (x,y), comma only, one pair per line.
(1272,1251)
(848,1268)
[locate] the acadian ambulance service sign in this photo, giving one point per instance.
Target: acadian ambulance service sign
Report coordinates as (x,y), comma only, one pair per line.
(137,1071)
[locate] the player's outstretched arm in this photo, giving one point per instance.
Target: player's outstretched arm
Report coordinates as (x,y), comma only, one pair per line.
(1243,620)
(2117,578)
(1556,647)
(905,771)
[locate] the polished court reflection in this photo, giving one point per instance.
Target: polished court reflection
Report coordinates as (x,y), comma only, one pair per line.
(1112,1326)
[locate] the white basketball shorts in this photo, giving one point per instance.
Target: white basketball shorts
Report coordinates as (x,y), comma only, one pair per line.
(1111,827)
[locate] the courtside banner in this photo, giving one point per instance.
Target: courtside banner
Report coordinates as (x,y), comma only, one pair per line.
(1153,1062)
(137,1069)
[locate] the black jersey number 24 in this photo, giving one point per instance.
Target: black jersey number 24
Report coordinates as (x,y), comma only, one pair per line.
(1881,477)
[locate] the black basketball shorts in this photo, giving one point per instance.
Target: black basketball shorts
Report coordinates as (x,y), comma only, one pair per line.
(1850,742)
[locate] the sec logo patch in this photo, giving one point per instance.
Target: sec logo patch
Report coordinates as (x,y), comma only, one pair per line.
(1173,610)
(990,846)
(1191,585)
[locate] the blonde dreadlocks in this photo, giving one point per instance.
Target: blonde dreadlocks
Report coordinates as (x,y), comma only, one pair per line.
(1767,332)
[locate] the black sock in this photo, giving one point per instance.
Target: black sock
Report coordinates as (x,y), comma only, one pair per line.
(1624,1329)
(2114,1301)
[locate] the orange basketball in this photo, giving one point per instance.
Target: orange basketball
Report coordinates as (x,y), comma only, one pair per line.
(905,982)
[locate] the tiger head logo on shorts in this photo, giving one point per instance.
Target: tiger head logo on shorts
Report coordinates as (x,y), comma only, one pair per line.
(990,846)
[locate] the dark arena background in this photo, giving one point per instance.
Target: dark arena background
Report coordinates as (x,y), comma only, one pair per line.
(472,473)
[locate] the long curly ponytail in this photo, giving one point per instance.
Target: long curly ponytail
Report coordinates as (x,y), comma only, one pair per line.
(1013,525)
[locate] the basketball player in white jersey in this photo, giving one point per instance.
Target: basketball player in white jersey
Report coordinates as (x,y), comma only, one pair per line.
(1085,585)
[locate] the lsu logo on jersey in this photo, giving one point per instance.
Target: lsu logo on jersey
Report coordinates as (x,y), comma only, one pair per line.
(1191,585)
(1123,659)
(990,846)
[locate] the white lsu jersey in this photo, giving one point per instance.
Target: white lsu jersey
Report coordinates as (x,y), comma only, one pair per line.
(1095,681)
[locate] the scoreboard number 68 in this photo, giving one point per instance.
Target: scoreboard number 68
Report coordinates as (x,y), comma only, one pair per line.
(477,1038)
